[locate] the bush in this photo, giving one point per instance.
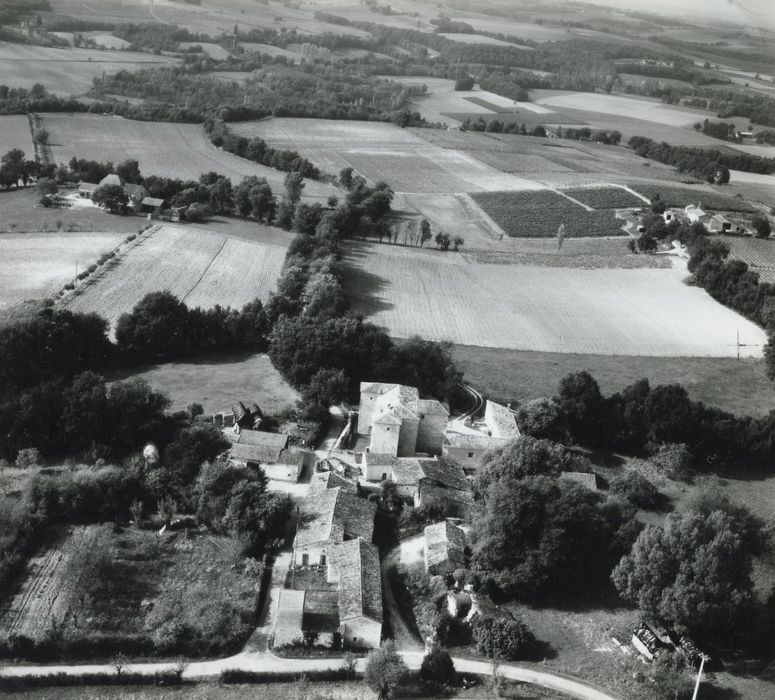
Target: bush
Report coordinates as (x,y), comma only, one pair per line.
(672,460)
(437,667)
(637,489)
(503,638)
(237,676)
(28,458)
(65,680)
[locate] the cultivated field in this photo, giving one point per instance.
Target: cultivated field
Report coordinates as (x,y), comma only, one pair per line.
(676,196)
(67,71)
(168,150)
(606,197)
(758,253)
(444,296)
(201,267)
(539,214)
(36,265)
(217,381)
(379,151)
(15,133)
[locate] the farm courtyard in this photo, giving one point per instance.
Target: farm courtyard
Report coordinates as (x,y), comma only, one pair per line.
(447,296)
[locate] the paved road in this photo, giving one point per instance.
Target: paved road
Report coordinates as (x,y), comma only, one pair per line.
(252,661)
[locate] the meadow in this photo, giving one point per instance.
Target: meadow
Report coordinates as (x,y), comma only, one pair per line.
(67,71)
(15,133)
(201,267)
(445,296)
(168,150)
(380,151)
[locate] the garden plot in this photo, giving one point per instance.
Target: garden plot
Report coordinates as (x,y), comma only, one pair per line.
(380,151)
(198,266)
(67,71)
(443,296)
(35,265)
(15,133)
(168,150)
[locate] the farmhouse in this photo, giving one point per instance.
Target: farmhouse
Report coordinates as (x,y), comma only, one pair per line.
(330,517)
(111,179)
(720,224)
(136,193)
(466,441)
(694,214)
(151,205)
(444,548)
(354,566)
(270,451)
(398,422)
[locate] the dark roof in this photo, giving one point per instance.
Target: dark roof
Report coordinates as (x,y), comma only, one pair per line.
(360,580)
(331,480)
(335,515)
(444,542)
(445,473)
(428,489)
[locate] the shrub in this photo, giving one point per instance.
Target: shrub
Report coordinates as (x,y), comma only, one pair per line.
(673,459)
(238,676)
(28,458)
(636,488)
(503,638)
(437,667)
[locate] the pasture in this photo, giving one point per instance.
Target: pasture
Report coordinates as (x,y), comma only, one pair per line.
(539,214)
(217,382)
(15,133)
(67,71)
(168,150)
(201,267)
(445,296)
(36,265)
(380,151)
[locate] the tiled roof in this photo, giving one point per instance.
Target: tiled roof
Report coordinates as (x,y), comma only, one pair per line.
(88,186)
(430,490)
(445,473)
(407,470)
(152,202)
(473,442)
(587,479)
(257,445)
(334,514)
(444,542)
(331,480)
(360,580)
(110,179)
(387,419)
(376,387)
(505,424)
(379,459)
(431,407)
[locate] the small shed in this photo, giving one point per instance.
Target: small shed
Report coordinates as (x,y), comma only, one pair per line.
(151,205)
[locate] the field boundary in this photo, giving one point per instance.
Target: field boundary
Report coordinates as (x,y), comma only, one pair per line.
(206,269)
(586,207)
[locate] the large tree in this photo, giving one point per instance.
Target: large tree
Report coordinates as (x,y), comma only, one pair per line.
(385,670)
(695,571)
(112,197)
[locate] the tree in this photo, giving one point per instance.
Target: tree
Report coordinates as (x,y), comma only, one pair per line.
(437,667)
(346,178)
(112,197)
(761,225)
(46,186)
(695,571)
(502,638)
(636,488)
(425,232)
(540,418)
(425,364)
(581,406)
(327,387)
(129,171)
(156,327)
(458,241)
(197,212)
(443,240)
(385,670)
(40,136)
(294,184)
(14,163)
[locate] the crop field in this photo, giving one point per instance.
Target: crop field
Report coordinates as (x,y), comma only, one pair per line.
(386,152)
(216,380)
(36,265)
(15,133)
(168,150)
(675,196)
(606,197)
(757,253)
(539,214)
(444,296)
(202,268)
(67,71)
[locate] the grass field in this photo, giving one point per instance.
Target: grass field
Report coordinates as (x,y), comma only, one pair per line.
(169,150)
(201,267)
(35,265)
(539,214)
(380,151)
(218,381)
(67,71)
(678,196)
(15,133)
(626,312)
(510,375)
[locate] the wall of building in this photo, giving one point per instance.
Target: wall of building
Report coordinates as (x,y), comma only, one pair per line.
(384,439)
(362,632)
(461,455)
(286,635)
(365,411)
(375,472)
(407,438)
(282,472)
(430,434)
(313,552)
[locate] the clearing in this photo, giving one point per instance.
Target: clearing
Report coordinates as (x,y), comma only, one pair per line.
(217,381)
(446,296)
(67,71)
(201,267)
(168,150)
(15,133)
(36,265)
(379,151)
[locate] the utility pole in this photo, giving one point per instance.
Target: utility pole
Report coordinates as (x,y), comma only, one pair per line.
(699,677)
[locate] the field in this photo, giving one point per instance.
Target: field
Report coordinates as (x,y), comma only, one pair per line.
(539,214)
(67,71)
(759,254)
(95,579)
(201,267)
(380,151)
(606,197)
(35,265)
(168,150)
(481,39)
(675,196)
(217,382)
(445,296)
(15,133)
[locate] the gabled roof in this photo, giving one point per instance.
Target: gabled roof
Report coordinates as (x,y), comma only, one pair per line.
(431,407)
(379,459)
(431,490)
(444,542)
(407,470)
(504,424)
(387,419)
(360,580)
(111,179)
(331,480)
(445,473)
(87,186)
(152,202)
(257,445)
(473,442)
(335,515)
(134,190)
(377,388)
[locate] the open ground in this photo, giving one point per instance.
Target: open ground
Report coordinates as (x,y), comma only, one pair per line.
(201,267)
(167,150)
(15,133)
(444,296)
(67,71)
